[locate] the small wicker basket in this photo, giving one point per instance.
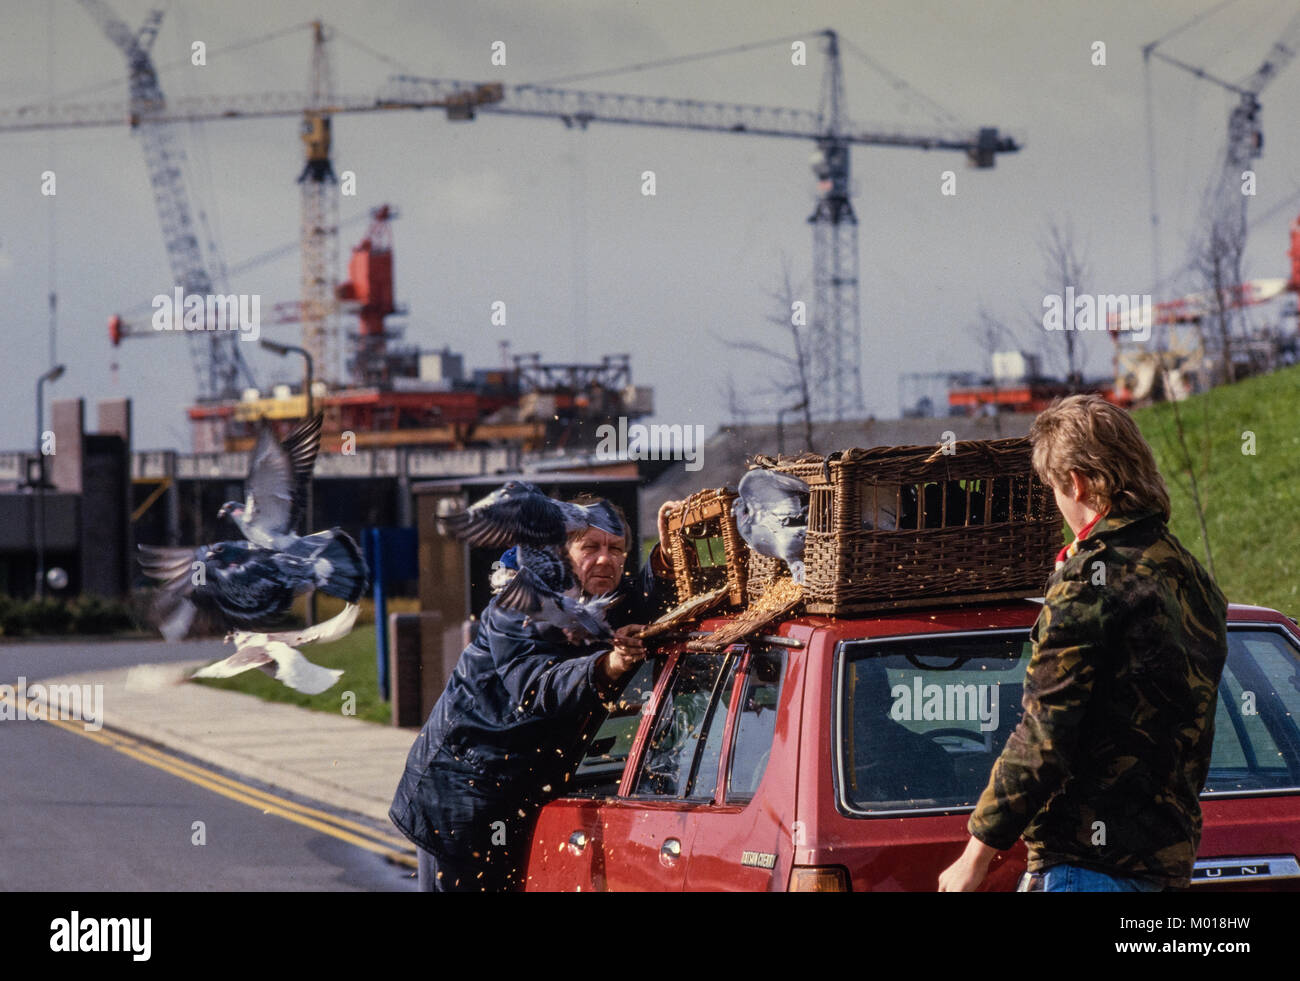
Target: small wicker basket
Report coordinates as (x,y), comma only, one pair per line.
(694,529)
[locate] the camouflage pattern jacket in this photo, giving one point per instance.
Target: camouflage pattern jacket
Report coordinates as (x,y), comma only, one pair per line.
(1106,766)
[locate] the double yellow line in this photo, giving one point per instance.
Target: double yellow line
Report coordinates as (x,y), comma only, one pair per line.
(391,847)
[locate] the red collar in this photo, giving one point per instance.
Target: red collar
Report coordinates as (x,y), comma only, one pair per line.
(1063,554)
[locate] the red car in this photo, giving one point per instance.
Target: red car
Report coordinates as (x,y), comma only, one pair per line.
(846,755)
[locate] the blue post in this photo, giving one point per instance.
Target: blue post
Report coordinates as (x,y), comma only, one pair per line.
(381,611)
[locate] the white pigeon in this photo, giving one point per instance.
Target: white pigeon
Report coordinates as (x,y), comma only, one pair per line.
(277,654)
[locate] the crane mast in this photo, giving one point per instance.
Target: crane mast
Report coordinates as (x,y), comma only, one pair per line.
(219,364)
(320,220)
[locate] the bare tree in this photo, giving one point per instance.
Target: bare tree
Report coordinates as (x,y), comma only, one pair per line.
(1065,267)
(791,386)
(1186,466)
(991,333)
(1218,262)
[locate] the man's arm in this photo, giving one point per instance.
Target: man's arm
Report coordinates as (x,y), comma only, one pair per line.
(1039,755)
(538,677)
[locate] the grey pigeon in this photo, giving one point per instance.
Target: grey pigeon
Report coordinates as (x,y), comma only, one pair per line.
(275,492)
(771,512)
(542,589)
(248,587)
(518,513)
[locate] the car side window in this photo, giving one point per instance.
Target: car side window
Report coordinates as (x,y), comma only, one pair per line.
(1256,739)
(922,720)
(601,769)
(687,730)
(755,723)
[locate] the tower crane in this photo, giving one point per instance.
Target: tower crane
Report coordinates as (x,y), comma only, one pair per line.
(835,342)
(1226,211)
(835,339)
(218,362)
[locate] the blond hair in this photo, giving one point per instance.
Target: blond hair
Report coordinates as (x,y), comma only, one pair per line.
(1101,441)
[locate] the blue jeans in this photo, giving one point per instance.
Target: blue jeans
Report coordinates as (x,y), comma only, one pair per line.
(1075,878)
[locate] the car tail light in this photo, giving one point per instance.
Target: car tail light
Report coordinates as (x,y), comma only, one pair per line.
(819,879)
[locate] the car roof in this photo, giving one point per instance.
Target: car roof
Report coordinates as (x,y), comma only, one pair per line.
(1003,615)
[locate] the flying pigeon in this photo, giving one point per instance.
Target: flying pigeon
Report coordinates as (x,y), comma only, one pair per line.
(771,514)
(520,514)
(276,488)
(246,586)
(542,588)
(277,654)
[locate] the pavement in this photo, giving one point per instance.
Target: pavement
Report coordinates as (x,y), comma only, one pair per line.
(338,760)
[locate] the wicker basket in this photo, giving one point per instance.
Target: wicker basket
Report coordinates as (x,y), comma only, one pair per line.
(905,525)
(694,530)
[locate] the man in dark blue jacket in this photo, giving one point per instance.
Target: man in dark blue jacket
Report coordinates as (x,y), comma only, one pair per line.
(505,734)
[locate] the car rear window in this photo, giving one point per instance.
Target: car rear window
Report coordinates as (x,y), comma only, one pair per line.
(921,720)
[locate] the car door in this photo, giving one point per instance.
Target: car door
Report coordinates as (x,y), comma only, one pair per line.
(638,837)
(563,855)
(647,831)
(1251,803)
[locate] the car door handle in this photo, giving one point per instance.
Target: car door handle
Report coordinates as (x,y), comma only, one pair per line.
(577,842)
(669,852)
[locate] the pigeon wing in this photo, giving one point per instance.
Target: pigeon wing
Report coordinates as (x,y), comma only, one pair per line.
(302,445)
(172,610)
(294,670)
(518,513)
(276,489)
(322,633)
(524,592)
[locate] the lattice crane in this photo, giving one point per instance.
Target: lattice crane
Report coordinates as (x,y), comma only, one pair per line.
(218,362)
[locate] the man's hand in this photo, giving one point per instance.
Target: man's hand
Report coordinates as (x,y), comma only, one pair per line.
(628,652)
(966,874)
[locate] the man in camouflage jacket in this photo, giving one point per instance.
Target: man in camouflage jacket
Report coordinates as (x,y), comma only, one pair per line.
(1104,772)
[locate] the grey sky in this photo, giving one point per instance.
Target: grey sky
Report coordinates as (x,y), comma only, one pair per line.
(488,208)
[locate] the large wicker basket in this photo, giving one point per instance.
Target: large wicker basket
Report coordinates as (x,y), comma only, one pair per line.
(906,525)
(695,530)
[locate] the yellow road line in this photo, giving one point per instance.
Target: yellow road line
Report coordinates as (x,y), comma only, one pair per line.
(267,803)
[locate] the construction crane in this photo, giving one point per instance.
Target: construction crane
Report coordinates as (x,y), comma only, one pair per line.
(836,335)
(218,362)
(1224,231)
(836,340)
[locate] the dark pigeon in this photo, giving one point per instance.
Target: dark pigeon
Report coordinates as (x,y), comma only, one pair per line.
(520,514)
(247,587)
(542,588)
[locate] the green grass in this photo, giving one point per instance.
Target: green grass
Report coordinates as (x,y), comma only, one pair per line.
(1252,502)
(354,654)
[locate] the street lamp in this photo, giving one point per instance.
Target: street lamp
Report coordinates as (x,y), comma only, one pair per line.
(282,349)
(54,374)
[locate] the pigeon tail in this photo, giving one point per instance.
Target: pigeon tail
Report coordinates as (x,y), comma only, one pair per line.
(347,576)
